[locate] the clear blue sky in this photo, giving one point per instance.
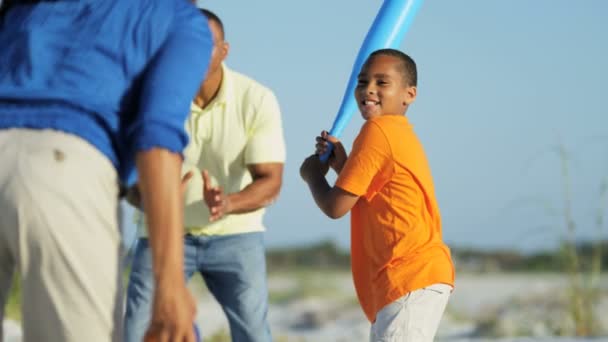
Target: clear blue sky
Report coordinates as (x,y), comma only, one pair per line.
(501,84)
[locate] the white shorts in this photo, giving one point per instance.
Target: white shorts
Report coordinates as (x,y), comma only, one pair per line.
(59,230)
(414,317)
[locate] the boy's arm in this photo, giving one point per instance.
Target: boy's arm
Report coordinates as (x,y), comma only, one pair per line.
(338,155)
(333,201)
(370,156)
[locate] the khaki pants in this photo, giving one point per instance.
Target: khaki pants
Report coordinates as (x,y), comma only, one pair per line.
(414,317)
(59,230)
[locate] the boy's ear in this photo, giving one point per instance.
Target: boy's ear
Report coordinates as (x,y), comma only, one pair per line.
(409,95)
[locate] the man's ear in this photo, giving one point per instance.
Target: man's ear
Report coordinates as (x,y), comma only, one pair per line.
(225,50)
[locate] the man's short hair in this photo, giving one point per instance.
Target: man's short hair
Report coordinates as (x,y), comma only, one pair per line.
(4,5)
(213,17)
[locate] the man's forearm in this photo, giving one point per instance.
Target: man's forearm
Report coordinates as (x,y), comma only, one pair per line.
(159,184)
(258,194)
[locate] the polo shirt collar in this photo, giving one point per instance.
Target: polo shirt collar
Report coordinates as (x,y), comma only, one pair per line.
(223,94)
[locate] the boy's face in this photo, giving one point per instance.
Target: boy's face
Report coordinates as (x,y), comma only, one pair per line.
(381,89)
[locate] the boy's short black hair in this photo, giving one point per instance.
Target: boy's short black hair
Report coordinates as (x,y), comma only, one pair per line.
(213,17)
(407,67)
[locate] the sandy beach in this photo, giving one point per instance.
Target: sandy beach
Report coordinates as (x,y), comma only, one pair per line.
(321,306)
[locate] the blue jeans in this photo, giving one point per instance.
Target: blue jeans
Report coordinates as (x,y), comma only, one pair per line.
(232,266)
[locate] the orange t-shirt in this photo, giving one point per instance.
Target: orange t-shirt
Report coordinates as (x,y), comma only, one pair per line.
(396,243)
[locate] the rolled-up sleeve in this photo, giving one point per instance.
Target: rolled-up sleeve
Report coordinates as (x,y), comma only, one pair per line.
(170,83)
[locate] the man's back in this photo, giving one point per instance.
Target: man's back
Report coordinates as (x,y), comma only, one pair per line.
(81,66)
(90,87)
(81,52)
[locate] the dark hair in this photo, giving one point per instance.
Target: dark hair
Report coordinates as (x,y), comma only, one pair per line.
(213,17)
(407,66)
(4,5)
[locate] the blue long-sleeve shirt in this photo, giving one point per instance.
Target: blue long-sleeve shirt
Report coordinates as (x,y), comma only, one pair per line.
(118,73)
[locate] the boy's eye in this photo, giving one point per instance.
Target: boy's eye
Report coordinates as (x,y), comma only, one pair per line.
(361,82)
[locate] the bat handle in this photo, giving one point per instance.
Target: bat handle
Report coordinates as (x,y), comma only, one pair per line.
(325,156)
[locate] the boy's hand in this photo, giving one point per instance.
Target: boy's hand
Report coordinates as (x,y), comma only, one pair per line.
(313,167)
(338,156)
(215,198)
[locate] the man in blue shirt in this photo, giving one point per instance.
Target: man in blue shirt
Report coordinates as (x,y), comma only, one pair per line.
(91,90)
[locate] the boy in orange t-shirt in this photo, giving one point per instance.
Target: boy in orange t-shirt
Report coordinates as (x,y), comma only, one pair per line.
(402,270)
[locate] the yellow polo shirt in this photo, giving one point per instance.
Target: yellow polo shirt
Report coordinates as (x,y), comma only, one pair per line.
(241,126)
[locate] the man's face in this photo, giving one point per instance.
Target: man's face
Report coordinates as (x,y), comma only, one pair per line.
(381,89)
(220,47)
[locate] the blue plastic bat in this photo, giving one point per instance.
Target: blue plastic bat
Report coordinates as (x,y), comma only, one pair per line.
(387,31)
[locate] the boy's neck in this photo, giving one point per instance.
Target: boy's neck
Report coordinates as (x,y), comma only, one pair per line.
(394,114)
(403,113)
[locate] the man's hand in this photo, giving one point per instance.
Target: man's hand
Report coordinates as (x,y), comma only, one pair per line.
(172,316)
(338,155)
(215,198)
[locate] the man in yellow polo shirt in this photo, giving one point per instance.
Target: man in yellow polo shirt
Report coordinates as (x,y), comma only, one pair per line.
(233,168)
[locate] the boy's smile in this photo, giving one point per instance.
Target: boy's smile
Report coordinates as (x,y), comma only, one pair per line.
(368,107)
(381,89)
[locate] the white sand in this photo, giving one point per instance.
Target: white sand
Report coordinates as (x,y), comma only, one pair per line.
(330,313)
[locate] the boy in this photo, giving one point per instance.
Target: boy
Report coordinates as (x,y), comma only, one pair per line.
(402,270)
